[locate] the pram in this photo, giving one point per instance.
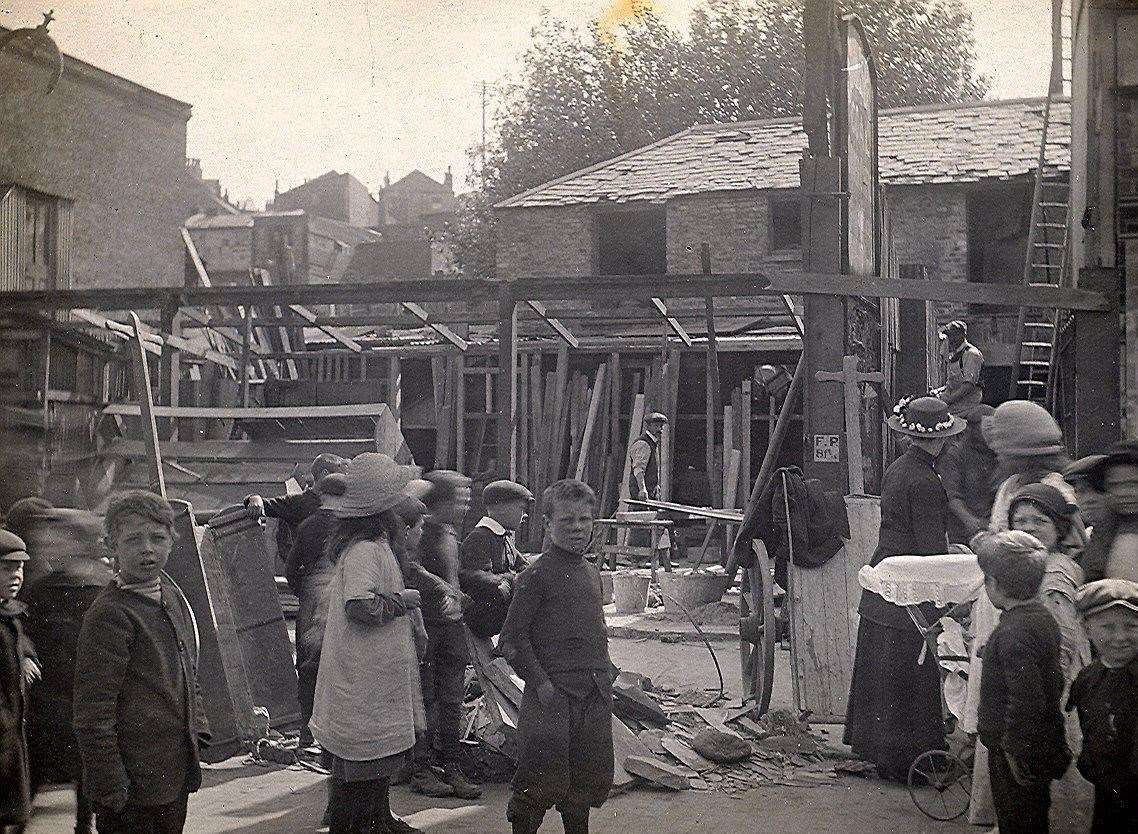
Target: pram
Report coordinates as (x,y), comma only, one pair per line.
(940,782)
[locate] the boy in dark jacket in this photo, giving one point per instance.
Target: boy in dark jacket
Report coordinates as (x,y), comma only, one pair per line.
(442,670)
(490,560)
(1106,697)
(555,639)
(15,672)
(1020,718)
(138,713)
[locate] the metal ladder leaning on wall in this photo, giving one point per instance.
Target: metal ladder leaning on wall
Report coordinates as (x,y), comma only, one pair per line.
(1046,263)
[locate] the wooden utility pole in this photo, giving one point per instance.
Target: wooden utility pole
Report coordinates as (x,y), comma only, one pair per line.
(820,171)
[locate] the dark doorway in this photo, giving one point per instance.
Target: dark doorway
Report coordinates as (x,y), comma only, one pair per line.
(632,242)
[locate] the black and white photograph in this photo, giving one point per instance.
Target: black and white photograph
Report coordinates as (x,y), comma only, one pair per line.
(526,416)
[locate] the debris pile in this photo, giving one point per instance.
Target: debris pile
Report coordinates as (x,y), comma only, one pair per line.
(667,740)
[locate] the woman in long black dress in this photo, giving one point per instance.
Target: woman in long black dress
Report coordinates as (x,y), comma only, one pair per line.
(894,711)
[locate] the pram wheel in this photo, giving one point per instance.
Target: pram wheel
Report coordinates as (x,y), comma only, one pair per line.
(940,784)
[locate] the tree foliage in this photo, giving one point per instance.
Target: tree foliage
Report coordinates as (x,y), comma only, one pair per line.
(585,96)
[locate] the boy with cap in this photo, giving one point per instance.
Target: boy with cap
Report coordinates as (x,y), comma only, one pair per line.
(1106,697)
(17,672)
(490,561)
(1020,719)
(139,718)
(555,638)
(442,671)
(292,510)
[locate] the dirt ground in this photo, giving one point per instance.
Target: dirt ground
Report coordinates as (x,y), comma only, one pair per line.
(241,797)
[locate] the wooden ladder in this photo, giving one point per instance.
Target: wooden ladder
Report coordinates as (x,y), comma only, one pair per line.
(1046,264)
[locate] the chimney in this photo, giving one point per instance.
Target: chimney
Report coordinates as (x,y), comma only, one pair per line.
(448,181)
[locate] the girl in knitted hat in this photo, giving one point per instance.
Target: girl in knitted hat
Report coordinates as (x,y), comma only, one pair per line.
(367,708)
(1029,448)
(1042,511)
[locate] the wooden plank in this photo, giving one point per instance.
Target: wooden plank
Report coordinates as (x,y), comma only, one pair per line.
(145,408)
(728,439)
(523,413)
(418,312)
(746,427)
(560,415)
(537,420)
(634,429)
(560,287)
(506,446)
(591,421)
(254,413)
(335,332)
(559,328)
(731,480)
(238,451)
(671,321)
(460,414)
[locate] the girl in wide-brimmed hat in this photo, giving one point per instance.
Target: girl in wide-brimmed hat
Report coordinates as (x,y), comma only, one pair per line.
(368,708)
(894,711)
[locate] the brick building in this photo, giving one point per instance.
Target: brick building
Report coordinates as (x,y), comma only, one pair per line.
(957,186)
(92,178)
(333,195)
(416,199)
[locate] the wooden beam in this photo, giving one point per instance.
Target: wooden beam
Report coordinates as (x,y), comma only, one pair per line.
(559,287)
(671,320)
(507,382)
(145,408)
(153,341)
(422,315)
(337,334)
(561,330)
(289,412)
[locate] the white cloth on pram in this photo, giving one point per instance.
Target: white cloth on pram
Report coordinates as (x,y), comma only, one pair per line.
(943,579)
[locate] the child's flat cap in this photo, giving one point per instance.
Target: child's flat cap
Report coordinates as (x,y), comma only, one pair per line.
(1106,593)
(500,492)
(12,547)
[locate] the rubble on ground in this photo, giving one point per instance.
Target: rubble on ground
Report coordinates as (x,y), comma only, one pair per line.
(658,736)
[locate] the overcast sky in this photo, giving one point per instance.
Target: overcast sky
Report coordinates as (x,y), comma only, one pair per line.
(288,89)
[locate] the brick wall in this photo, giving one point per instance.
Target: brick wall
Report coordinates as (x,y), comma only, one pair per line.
(118,151)
(545,241)
(736,226)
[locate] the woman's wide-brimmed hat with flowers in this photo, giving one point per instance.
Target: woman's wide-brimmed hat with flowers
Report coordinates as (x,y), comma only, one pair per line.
(924,417)
(376,483)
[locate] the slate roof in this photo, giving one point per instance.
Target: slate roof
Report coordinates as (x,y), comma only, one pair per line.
(958,143)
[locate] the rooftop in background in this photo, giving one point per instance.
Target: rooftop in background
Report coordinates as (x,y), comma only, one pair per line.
(955,143)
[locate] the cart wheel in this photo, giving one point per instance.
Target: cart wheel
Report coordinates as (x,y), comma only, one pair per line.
(757,630)
(940,784)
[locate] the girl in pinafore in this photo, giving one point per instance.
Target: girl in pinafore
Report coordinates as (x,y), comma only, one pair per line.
(368,708)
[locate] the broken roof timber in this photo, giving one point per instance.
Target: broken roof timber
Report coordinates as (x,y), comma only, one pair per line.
(672,321)
(560,329)
(422,315)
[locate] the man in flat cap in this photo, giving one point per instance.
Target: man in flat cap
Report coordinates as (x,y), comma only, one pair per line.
(644,478)
(963,364)
(490,559)
(17,672)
